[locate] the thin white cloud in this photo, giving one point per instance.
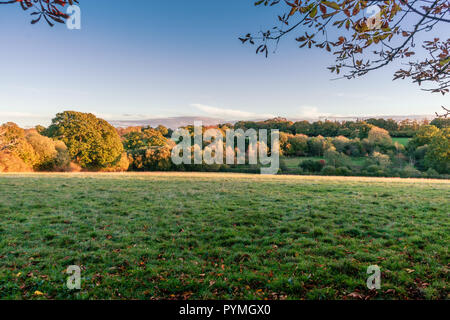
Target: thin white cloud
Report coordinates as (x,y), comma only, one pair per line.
(25,119)
(311,112)
(6,114)
(230,114)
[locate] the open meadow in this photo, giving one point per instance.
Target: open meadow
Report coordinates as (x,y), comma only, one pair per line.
(230,236)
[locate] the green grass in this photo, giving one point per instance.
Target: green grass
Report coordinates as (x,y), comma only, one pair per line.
(209,236)
(403,141)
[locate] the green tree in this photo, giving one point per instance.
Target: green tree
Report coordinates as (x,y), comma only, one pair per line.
(441,123)
(40,129)
(390,125)
(424,136)
(298,144)
(317,146)
(438,154)
(341,143)
(360,129)
(148,137)
(302,127)
(336,159)
(91,142)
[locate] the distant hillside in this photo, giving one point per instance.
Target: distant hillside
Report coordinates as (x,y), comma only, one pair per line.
(172,123)
(176,122)
(395,118)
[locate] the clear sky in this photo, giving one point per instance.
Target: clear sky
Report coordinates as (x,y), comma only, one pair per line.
(178,58)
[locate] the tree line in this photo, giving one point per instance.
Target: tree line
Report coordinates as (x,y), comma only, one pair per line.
(351,129)
(78,141)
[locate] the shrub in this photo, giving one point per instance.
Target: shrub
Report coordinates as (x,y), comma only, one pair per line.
(343,171)
(312,165)
(25,151)
(45,150)
(410,172)
(431,173)
(74,167)
(151,159)
(283,165)
(62,160)
(328,171)
(421,152)
(374,170)
(380,159)
(121,166)
(337,159)
(399,160)
(9,162)
(50,154)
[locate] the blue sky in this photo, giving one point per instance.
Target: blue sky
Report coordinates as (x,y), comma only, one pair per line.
(178,58)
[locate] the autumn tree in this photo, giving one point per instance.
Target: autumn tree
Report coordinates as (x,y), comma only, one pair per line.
(317,146)
(13,141)
(149,149)
(92,142)
(144,138)
(26,150)
(367,35)
(424,136)
(164,131)
(10,135)
(51,154)
(379,137)
(341,143)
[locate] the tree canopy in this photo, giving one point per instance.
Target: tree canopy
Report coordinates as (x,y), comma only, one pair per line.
(91,142)
(24,150)
(438,155)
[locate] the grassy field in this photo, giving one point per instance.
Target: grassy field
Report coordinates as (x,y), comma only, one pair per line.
(208,236)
